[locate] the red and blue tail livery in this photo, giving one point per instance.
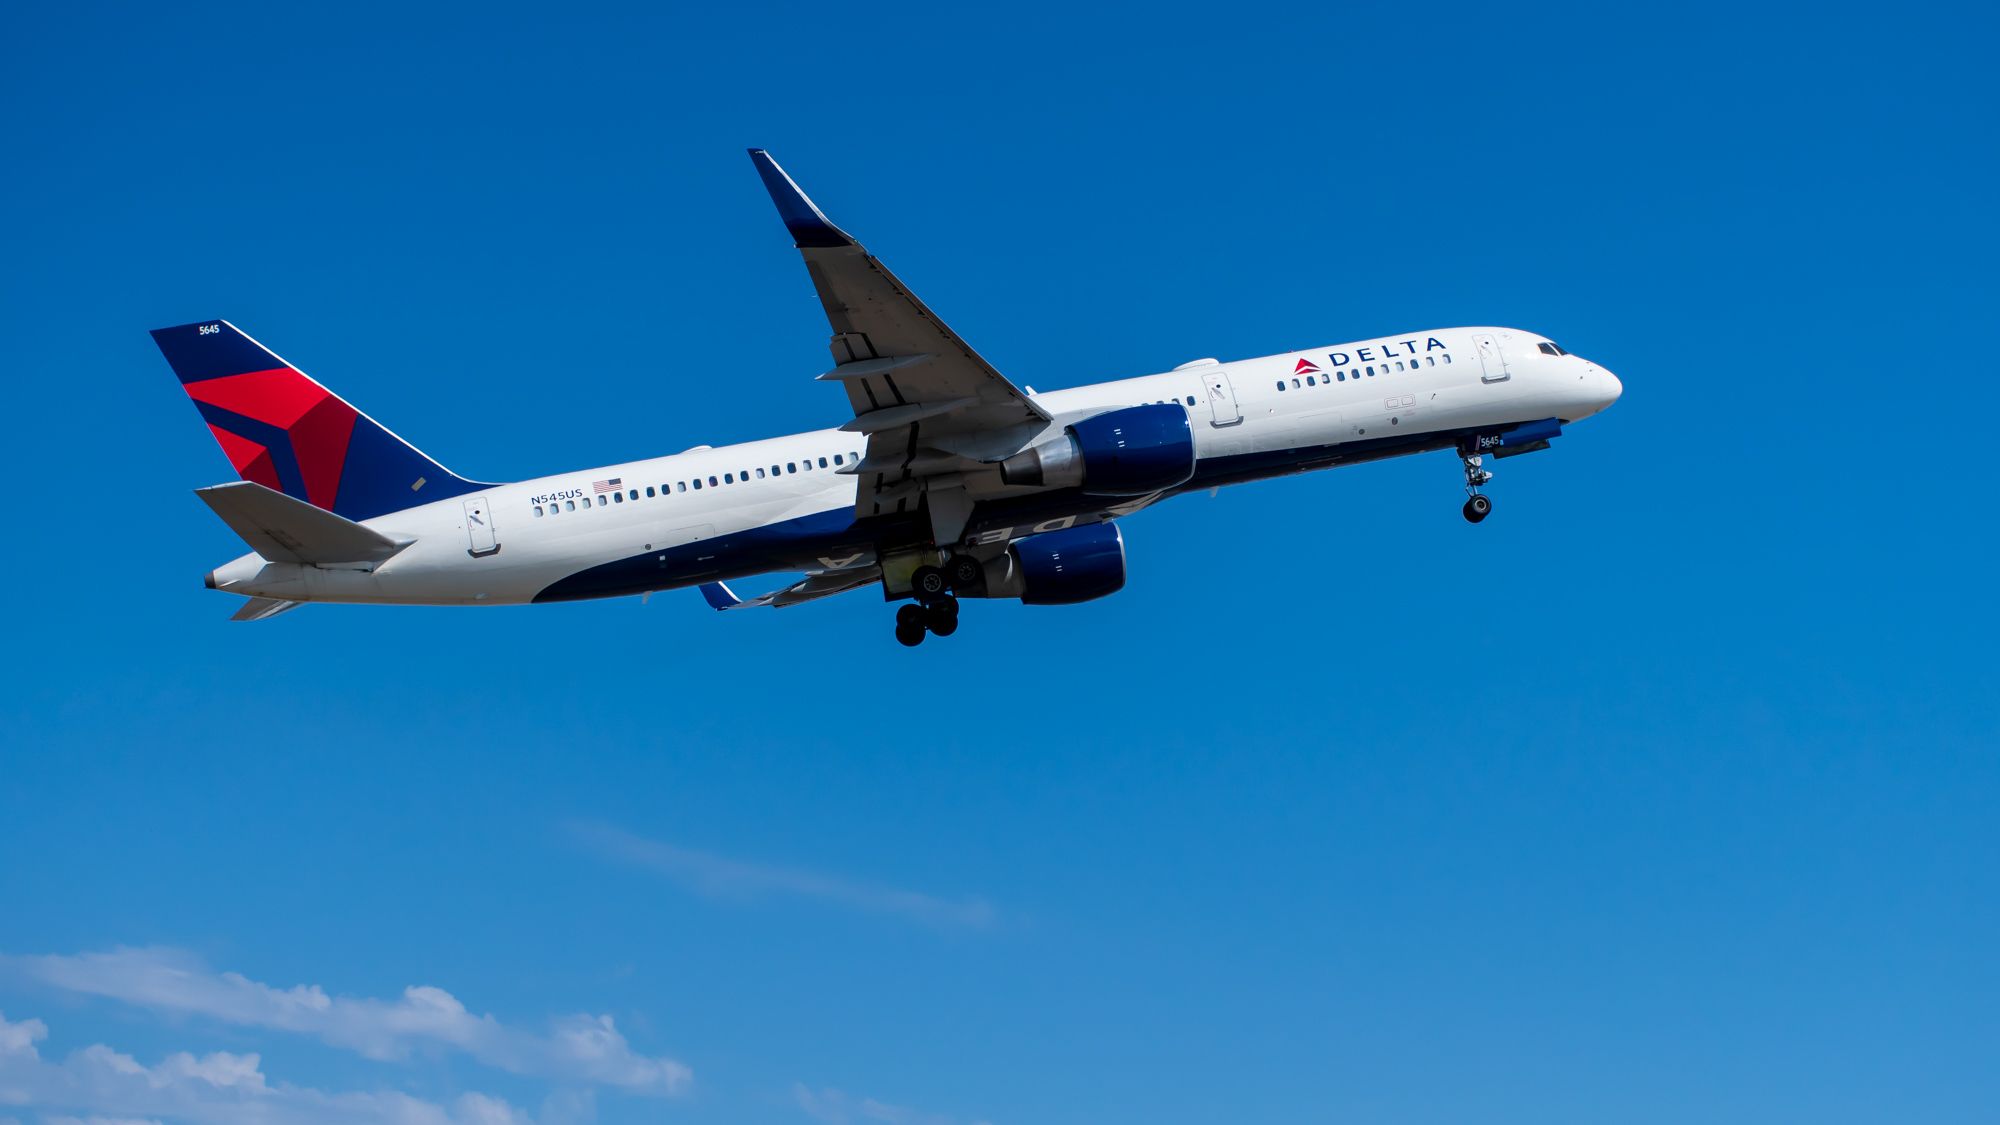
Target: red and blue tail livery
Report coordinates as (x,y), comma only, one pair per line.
(285,431)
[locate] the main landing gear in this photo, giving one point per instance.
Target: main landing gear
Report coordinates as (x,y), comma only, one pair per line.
(1477,506)
(914,621)
(936,608)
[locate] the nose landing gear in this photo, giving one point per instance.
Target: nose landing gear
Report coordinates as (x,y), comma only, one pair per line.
(1477,505)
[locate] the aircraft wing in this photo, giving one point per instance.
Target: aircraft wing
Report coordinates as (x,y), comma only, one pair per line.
(818,584)
(927,403)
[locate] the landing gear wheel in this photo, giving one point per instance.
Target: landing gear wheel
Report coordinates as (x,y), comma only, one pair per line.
(929,582)
(910,625)
(942,617)
(1477,508)
(964,571)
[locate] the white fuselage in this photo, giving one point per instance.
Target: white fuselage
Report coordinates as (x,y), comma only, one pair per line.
(780,504)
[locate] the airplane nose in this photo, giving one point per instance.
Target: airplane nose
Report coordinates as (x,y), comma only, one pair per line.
(1612,388)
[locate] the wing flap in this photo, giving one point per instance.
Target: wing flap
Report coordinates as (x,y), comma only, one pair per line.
(263,609)
(816,585)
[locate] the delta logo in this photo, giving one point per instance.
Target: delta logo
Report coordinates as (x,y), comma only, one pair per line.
(1305,367)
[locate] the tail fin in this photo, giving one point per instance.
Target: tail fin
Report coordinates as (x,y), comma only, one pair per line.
(286,432)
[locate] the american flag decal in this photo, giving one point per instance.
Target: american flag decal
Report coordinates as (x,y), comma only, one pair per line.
(612,485)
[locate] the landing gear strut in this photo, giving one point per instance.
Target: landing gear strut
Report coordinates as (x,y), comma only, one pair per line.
(1477,506)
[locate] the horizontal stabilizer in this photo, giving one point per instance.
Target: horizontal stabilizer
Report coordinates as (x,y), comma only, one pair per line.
(286,530)
(259,609)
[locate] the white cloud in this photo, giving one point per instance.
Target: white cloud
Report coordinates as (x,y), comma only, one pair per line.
(578,1048)
(837,1107)
(721,877)
(101,1086)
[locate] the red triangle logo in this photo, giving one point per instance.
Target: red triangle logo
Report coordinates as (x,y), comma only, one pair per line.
(1305,366)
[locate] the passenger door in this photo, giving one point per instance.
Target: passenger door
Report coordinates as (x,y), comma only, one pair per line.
(1492,361)
(479,528)
(1222,407)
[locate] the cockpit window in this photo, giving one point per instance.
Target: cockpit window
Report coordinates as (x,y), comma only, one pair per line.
(1549,348)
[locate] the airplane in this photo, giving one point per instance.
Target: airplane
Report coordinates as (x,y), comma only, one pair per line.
(949,481)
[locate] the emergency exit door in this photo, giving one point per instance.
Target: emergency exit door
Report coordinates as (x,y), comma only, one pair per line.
(1492,361)
(1222,408)
(479,528)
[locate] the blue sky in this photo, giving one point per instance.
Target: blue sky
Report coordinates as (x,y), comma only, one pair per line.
(1666,794)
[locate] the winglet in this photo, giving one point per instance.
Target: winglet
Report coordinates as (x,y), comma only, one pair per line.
(718,596)
(808,224)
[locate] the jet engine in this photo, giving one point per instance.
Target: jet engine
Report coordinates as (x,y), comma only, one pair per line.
(1063,567)
(1131,451)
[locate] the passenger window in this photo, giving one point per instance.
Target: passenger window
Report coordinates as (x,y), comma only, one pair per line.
(680,486)
(838,460)
(1281,384)
(822,462)
(1309,382)
(711,482)
(538,511)
(618,496)
(791,466)
(1371,369)
(649,492)
(697,484)
(1340,375)
(603,503)
(570,504)
(1447,357)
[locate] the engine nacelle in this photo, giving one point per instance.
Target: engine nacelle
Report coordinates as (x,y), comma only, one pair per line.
(1063,567)
(1127,452)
